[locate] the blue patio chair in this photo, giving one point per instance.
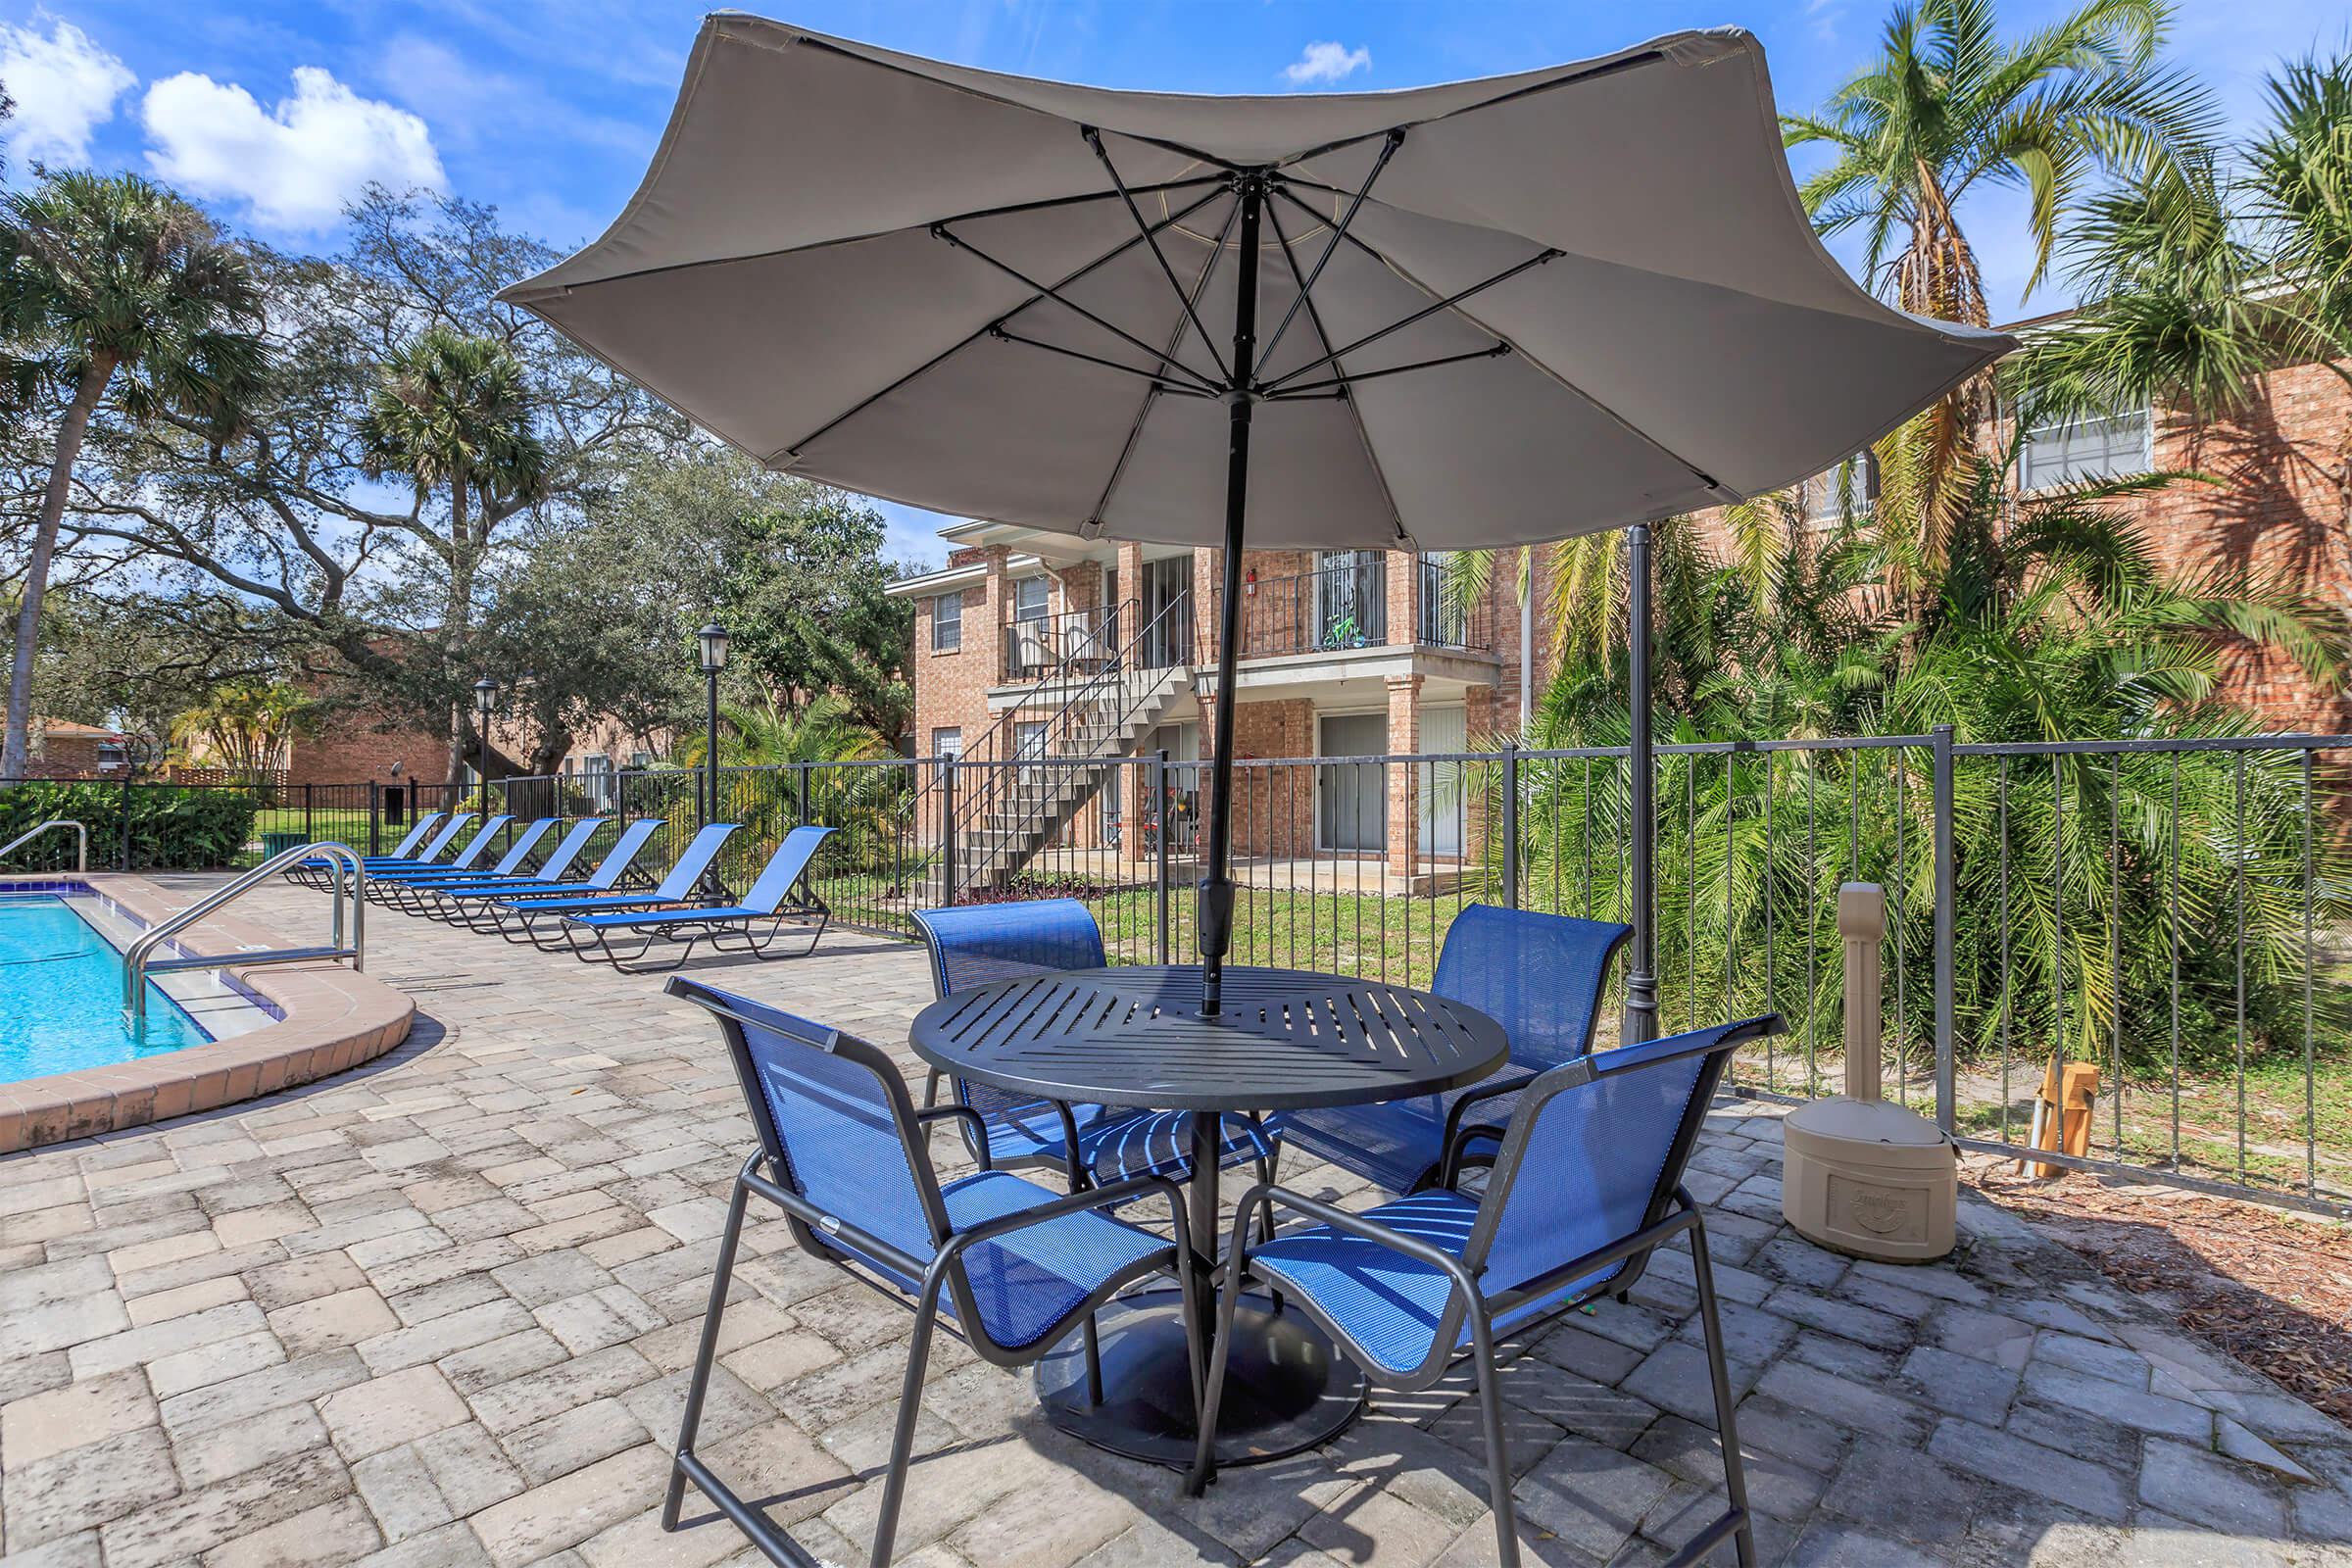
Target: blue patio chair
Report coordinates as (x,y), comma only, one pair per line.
(1540,976)
(407,889)
(547,872)
(1586,1183)
(1009,1266)
(975,945)
(769,898)
(434,847)
(316,872)
(682,886)
(472,902)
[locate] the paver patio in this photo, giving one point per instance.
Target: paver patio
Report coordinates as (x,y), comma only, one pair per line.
(439,1312)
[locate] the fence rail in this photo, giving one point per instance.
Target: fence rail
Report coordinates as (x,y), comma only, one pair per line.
(2178,912)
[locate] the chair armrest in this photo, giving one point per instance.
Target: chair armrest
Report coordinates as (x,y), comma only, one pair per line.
(975,1127)
(1454,1118)
(1340,1219)
(1074,1203)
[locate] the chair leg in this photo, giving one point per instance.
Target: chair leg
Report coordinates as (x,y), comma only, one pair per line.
(1735,1481)
(902,1442)
(1205,1451)
(1499,1452)
(706,1352)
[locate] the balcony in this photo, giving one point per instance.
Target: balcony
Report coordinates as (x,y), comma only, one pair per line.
(1345,606)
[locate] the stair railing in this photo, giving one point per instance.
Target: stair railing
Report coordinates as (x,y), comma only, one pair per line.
(82,835)
(1085,675)
(350,882)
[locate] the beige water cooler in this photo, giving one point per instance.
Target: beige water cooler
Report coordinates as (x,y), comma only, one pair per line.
(1861,1176)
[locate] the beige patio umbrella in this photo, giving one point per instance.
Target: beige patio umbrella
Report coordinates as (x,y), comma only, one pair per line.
(1488,312)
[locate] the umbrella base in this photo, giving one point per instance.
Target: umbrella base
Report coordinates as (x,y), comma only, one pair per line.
(1286,1388)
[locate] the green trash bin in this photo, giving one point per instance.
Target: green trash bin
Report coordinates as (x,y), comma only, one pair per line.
(274,843)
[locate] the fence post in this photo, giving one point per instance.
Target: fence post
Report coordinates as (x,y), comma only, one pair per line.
(802,783)
(1160,855)
(126,855)
(1510,825)
(947,836)
(375,816)
(308,834)
(1945,1100)
(1862,922)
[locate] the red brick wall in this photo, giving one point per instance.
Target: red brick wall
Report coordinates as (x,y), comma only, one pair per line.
(350,748)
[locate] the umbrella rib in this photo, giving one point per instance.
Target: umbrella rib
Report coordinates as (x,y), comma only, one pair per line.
(1339,231)
(1052,292)
(1620,420)
(1159,383)
(1315,320)
(1548,253)
(1093,139)
(974,336)
(1346,379)
(1134,431)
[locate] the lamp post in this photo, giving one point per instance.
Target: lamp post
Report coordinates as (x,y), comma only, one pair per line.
(713,640)
(485,697)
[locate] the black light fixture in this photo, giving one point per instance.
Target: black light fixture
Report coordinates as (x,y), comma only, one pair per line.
(485,700)
(711,640)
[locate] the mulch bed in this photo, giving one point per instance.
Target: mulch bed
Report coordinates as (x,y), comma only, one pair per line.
(2270,1289)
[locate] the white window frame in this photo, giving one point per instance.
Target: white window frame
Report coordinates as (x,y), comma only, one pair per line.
(941,623)
(1021,608)
(1821,500)
(947,743)
(2066,467)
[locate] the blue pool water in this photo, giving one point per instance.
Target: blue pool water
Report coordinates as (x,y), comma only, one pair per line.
(61,996)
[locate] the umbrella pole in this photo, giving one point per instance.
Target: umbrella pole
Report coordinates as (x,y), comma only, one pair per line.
(1640,1020)
(1215,914)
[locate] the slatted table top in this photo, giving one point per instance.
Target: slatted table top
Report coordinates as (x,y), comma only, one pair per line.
(1287,1039)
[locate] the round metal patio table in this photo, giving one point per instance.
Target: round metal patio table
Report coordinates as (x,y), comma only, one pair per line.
(1285,1040)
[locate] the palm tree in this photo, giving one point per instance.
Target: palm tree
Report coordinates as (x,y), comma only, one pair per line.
(1948,108)
(113,286)
(247,724)
(455,413)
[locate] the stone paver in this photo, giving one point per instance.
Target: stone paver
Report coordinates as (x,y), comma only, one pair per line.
(436,1313)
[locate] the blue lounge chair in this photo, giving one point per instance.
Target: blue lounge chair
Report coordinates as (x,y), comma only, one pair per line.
(1586,1181)
(557,861)
(1541,976)
(471,901)
(408,889)
(316,872)
(771,899)
(430,855)
(1009,1266)
(383,879)
(975,944)
(680,887)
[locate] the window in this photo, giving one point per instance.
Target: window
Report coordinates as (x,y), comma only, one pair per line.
(112,755)
(1029,599)
(947,623)
(1837,492)
(2083,447)
(640,761)
(947,743)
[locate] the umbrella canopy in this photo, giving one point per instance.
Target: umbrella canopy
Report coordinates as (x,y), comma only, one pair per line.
(1487,312)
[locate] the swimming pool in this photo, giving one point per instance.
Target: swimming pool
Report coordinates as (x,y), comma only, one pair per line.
(61,991)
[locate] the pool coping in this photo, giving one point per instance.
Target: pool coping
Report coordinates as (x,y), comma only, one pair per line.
(330,1018)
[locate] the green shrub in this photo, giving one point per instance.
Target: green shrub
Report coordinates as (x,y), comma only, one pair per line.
(172,827)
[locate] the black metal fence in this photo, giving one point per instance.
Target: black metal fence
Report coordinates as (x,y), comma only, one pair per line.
(2175,912)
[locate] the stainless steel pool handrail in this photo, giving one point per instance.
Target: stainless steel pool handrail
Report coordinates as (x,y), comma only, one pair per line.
(350,882)
(81,854)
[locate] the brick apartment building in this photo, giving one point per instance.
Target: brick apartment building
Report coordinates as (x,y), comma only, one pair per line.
(60,747)
(1352,653)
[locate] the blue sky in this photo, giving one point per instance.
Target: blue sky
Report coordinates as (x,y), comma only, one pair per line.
(271,111)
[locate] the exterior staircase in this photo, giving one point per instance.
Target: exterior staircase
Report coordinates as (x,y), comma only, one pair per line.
(1050,753)
(1031,805)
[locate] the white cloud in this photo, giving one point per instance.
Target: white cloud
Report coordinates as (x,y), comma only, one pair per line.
(292,167)
(65,87)
(1324,61)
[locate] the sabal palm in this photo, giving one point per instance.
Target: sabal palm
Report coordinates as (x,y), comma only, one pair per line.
(111,287)
(455,413)
(1950,107)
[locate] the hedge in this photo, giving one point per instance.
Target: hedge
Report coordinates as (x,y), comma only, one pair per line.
(173,828)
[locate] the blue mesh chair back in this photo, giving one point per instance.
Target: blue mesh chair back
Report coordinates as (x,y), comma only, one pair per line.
(784,868)
(833,1123)
(491,828)
(615,863)
(1594,1151)
(519,850)
(440,840)
(569,849)
(1540,976)
(413,837)
(976,944)
(701,851)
